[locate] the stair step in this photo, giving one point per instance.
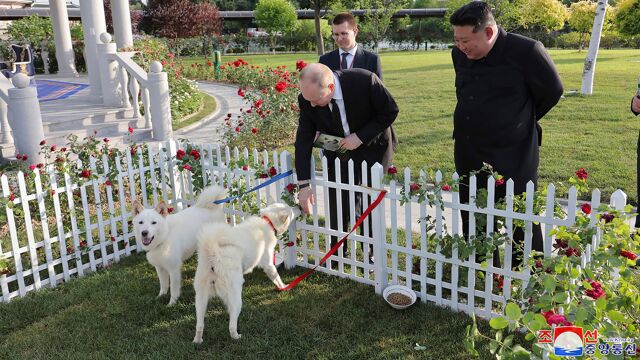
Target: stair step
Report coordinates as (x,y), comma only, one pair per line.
(78,121)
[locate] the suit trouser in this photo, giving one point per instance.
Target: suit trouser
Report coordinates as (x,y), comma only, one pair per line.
(537,242)
(638,179)
(369,154)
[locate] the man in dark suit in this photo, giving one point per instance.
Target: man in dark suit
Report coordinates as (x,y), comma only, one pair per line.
(505,83)
(349,55)
(355,105)
(635,109)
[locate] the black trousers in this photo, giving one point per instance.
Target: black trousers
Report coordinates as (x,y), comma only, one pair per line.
(638,179)
(370,154)
(537,242)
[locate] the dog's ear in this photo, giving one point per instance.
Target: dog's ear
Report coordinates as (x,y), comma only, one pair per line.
(162,209)
(137,208)
(283,216)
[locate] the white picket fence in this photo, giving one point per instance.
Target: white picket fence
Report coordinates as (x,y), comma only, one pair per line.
(399,238)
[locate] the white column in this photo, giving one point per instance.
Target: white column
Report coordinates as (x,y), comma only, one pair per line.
(160,103)
(93,24)
(108,69)
(25,118)
(62,37)
(121,23)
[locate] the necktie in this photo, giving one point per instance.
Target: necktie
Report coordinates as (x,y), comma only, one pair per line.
(343,62)
(337,120)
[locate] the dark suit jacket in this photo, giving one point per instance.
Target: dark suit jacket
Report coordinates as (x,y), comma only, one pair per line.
(363,60)
(501,98)
(370,110)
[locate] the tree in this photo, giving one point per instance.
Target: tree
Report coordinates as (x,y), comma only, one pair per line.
(545,15)
(377,18)
(581,15)
(206,21)
(627,17)
(32,30)
(589,68)
(317,6)
(276,17)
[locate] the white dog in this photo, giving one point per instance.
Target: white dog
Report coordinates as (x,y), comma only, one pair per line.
(169,240)
(225,253)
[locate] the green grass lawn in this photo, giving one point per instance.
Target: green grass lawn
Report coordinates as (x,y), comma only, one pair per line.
(114,314)
(597,132)
(208,106)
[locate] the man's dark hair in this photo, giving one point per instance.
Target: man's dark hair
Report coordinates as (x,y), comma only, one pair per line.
(476,13)
(344,18)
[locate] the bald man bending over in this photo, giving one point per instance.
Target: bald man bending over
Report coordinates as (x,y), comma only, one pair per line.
(352,104)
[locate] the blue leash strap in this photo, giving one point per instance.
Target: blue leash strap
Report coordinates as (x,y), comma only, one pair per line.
(266,183)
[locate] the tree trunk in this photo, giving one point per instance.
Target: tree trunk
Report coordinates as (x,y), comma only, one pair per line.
(589,69)
(581,42)
(319,39)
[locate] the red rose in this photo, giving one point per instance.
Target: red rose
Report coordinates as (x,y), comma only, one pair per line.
(83,243)
(113,238)
(180,154)
(106,140)
(290,244)
(130,130)
(300,65)
(291,188)
(18,156)
(392,170)
(53,148)
(628,254)
(499,279)
(240,92)
(108,183)
(281,87)
(500,181)
(245,167)
(170,210)
(582,174)
(254,130)
(596,290)
(63,149)
(85,173)
(273,171)
(572,252)
(415,187)
(607,217)
(12,197)
(560,244)
(186,167)
(258,103)
(237,129)
(25,157)
(69,250)
(446,187)
(42,142)
(263,176)
(40,165)
(586,208)
(195,154)
(32,167)
(538,264)
(557,319)
(52,192)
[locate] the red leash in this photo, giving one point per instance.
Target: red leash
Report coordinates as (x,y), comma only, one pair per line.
(337,245)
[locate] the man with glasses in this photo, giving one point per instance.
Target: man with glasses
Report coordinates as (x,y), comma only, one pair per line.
(349,54)
(354,105)
(505,83)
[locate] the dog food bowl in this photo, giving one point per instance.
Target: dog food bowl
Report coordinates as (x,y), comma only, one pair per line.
(399,296)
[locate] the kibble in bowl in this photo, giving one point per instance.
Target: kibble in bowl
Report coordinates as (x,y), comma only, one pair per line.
(399,296)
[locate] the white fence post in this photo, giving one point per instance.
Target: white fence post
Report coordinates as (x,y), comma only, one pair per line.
(379,234)
(618,201)
(160,103)
(290,252)
(108,72)
(25,118)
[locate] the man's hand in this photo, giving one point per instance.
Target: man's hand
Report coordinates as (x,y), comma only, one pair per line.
(305,198)
(351,142)
(635,104)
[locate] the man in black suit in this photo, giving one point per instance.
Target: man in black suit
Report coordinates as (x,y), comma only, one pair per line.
(635,109)
(355,105)
(349,55)
(505,83)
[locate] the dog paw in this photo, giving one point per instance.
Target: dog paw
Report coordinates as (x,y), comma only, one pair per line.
(236,336)
(197,340)
(172,302)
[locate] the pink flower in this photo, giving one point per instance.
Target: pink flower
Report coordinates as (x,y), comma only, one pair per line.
(586,208)
(628,254)
(582,174)
(596,290)
(186,167)
(392,170)
(558,320)
(32,167)
(180,154)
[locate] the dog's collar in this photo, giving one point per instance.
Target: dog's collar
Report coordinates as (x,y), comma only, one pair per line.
(266,218)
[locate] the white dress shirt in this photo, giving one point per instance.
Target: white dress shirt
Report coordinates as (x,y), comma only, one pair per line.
(337,96)
(350,57)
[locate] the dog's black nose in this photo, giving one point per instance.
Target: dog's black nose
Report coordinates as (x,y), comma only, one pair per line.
(145,233)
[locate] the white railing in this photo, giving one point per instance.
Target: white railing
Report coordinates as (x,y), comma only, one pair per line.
(72,242)
(134,85)
(5,130)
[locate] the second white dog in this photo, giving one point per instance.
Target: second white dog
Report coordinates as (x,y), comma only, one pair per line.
(169,240)
(225,253)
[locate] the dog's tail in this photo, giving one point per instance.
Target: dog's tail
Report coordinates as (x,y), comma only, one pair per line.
(209,195)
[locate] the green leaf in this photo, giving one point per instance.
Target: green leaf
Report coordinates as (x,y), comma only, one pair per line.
(529,337)
(498,323)
(520,353)
(493,346)
(560,297)
(549,283)
(615,315)
(513,312)
(601,303)
(581,315)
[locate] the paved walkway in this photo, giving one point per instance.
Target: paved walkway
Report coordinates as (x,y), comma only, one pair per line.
(228,102)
